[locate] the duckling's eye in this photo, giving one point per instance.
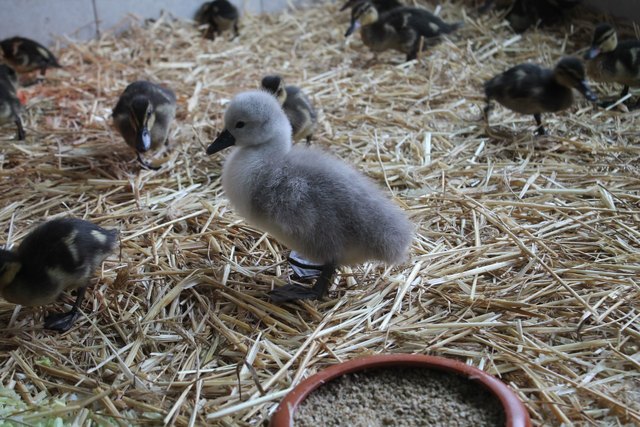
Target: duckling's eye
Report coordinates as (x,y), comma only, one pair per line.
(239,124)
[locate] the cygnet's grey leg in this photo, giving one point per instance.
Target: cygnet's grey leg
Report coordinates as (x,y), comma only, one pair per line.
(297,292)
(62,322)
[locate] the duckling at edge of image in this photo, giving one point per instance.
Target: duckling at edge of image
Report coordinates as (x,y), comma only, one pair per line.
(525,13)
(381,5)
(296,106)
(614,62)
(26,55)
(58,255)
(218,16)
(311,202)
(532,89)
(9,103)
(399,29)
(143,115)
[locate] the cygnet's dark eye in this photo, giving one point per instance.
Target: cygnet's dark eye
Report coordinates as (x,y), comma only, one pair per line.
(239,124)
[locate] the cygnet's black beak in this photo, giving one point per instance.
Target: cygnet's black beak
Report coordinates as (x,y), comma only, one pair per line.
(224,140)
(592,53)
(584,89)
(143,140)
(354,26)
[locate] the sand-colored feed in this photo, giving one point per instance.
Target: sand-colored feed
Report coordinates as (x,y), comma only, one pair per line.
(525,264)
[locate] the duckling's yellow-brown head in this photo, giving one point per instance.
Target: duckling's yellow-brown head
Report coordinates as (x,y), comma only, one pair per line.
(570,72)
(604,40)
(9,266)
(142,117)
(275,85)
(363,13)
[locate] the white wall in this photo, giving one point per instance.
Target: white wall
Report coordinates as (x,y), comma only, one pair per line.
(43,20)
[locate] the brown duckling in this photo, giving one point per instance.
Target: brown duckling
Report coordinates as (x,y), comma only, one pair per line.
(532,89)
(58,255)
(26,55)
(400,29)
(9,103)
(381,6)
(143,115)
(613,62)
(219,16)
(296,106)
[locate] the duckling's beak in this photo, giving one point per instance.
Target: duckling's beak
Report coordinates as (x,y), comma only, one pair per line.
(584,89)
(224,140)
(592,53)
(143,140)
(355,24)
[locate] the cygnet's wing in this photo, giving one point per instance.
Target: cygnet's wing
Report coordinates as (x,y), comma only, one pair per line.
(329,212)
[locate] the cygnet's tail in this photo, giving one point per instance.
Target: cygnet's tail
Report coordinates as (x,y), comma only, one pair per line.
(392,242)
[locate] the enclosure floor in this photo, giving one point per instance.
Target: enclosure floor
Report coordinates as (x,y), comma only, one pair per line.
(525,263)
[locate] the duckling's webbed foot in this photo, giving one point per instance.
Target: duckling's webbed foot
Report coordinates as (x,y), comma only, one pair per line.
(297,292)
(146,164)
(62,322)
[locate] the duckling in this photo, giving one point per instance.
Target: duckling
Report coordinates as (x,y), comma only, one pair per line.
(610,61)
(531,89)
(26,55)
(320,207)
(380,5)
(400,29)
(526,13)
(58,255)
(143,115)
(296,106)
(9,103)
(219,15)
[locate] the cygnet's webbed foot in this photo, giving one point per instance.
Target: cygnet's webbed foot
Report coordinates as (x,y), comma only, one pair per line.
(297,292)
(61,322)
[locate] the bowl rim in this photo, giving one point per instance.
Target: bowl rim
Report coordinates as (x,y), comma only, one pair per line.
(515,411)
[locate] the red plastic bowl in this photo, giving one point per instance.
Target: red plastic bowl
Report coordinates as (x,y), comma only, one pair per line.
(514,409)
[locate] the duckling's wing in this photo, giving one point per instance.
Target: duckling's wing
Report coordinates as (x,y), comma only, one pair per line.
(425,23)
(627,54)
(516,82)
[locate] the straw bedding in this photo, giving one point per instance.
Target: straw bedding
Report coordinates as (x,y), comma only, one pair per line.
(525,262)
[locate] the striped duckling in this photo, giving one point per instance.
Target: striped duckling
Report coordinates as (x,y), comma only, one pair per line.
(399,29)
(218,16)
(311,202)
(381,5)
(59,255)
(9,103)
(26,55)
(532,89)
(143,115)
(614,62)
(296,106)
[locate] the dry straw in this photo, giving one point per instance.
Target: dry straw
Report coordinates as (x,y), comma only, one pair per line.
(525,264)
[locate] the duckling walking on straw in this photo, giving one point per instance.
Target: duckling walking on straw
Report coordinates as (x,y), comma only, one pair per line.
(610,61)
(400,29)
(531,89)
(58,255)
(381,5)
(219,16)
(143,115)
(313,203)
(26,55)
(296,106)
(9,103)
